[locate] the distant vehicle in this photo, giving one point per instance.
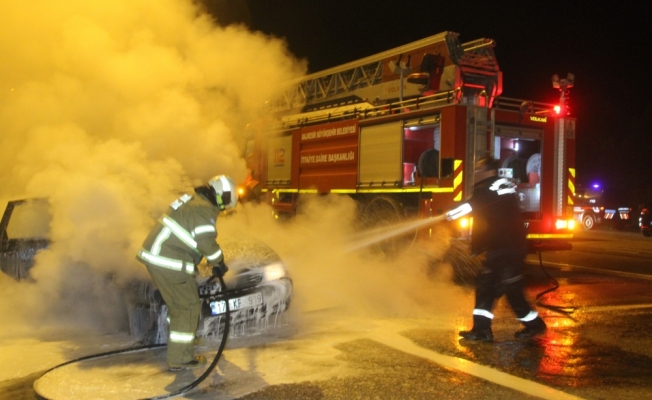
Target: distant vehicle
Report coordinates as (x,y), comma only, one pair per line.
(595,205)
(645,220)
(258,285)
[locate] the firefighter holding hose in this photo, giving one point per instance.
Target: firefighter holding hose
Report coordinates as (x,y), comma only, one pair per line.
(184,235)
(499,231)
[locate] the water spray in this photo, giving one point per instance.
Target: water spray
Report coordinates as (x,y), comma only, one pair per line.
(374,236)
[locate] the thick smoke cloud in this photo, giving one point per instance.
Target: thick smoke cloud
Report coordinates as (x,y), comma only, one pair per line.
(110,109)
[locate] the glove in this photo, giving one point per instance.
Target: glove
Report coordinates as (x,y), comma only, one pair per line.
(220,269)
(458,212)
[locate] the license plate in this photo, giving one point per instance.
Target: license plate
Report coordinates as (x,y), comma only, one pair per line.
(252,300)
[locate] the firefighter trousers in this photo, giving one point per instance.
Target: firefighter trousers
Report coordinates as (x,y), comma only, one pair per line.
(179,291)
(502,275)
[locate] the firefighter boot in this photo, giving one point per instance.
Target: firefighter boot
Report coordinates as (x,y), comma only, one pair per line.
(481,330)
(198,362)
(532,328)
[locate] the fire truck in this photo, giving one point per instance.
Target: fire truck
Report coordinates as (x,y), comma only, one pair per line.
(597,205)
(401,131)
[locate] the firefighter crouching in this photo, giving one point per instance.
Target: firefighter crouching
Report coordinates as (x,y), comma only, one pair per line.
(498,230)
(171,253)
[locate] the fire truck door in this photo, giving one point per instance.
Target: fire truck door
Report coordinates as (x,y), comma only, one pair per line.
(381,151)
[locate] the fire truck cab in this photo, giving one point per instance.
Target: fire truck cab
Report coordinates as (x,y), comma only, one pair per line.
(403,128)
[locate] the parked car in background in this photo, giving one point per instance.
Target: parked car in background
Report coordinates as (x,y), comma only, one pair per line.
(595,206)
(645,219)
(257,284)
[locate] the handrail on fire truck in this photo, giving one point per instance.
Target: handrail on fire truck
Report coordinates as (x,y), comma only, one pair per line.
(524,106)
(367,110)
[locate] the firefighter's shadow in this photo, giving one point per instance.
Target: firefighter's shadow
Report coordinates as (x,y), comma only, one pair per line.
(182,379)
(232,381)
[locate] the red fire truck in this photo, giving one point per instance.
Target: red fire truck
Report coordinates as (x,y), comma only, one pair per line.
(401,130)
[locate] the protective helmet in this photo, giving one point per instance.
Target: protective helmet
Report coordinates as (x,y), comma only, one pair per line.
(226,191)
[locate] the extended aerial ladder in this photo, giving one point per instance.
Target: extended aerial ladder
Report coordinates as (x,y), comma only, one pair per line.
(439,63)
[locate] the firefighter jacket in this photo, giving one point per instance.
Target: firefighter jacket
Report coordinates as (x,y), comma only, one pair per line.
(183,236)
(497,218)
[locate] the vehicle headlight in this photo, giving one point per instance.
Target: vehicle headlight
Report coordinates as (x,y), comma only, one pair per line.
(274,272)
(465,223)
(565,224)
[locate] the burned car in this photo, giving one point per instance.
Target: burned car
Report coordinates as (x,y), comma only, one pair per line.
(258,287)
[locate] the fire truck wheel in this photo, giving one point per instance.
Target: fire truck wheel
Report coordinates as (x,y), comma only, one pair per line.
(384,212)
(588,222)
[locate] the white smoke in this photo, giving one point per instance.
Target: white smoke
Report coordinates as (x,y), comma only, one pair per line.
(110,109)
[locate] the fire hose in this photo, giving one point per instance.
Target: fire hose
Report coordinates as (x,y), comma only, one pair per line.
(565,311)
(183,389)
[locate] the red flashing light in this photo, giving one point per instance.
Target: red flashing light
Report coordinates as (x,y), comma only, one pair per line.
(561,110)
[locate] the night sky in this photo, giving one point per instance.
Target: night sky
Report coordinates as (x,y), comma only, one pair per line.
(606,44)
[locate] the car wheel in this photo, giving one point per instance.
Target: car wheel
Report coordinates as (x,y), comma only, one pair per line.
(646,232)
(588,222)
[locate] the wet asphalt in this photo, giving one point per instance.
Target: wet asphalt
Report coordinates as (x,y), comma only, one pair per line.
(569,361)
(590,350)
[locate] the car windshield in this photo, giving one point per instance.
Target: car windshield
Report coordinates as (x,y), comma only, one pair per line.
(29,220)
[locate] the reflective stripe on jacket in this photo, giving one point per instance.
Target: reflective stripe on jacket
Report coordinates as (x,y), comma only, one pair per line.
(164,262)
(181,337)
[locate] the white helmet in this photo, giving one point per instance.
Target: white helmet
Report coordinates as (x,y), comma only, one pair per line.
(226,191)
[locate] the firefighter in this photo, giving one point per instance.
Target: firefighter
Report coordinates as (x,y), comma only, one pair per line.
(184,235)
(498,231)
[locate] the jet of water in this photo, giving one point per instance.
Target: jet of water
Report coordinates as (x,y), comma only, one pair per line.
(374,236)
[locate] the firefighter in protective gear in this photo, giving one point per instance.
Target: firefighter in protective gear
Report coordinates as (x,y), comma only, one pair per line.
(184,235)
(499,231)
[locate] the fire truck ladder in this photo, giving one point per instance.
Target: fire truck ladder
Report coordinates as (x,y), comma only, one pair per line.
(480,140)
(342,81)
